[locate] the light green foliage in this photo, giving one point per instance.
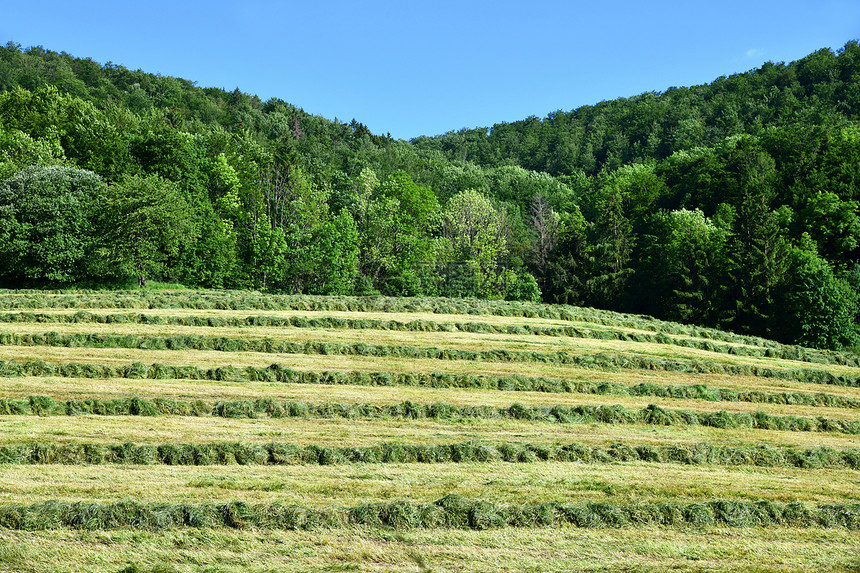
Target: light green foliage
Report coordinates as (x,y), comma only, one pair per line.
(517,185)
(476,234)
(396,220)
(366,182)
(209,255)
(45,225)
(834,224)
(521,286)
(335,252)
(267,250)
(225,185)
(178,156)
(417,202)
(89,137)
(18,150)
(638,187)
(144,221)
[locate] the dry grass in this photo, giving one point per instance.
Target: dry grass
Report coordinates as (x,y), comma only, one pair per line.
(352,485)
(214,359)
(112,388)
(444,340)
(367,549)
(343,315)
(343,432)
(404,317)
(565,549)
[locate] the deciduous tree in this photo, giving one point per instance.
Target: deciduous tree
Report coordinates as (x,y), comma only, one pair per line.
(143,222)
(46,225)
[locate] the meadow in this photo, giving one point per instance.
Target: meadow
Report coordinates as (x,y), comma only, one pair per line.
(233,431)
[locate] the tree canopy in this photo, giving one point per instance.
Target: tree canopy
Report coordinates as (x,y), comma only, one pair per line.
(732,204)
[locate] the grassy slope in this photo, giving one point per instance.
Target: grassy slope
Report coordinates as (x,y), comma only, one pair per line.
(422,324)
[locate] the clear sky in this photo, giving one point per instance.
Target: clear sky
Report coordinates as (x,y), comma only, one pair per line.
(425,68)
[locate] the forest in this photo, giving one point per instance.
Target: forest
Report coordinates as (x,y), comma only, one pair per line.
(731,205)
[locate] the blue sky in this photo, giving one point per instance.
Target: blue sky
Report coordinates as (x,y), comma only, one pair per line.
(425,68)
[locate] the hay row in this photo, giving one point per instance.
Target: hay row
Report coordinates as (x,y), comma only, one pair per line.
(279,454)
(277,373)
(451,511)
(795,353)
(598,361)
(608,414)
(251,301)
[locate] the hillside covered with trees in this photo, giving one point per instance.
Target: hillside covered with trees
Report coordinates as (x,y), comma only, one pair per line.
(732,204)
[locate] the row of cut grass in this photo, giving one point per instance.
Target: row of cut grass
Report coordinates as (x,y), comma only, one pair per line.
(248,366)
(231,453)
(448,512)
(608,414)
(459,390)
(152,430)
(588,359)
(263,324)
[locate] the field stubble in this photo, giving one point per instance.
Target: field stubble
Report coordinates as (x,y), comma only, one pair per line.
(386,548)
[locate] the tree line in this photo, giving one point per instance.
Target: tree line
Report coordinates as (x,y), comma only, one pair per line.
(731,204)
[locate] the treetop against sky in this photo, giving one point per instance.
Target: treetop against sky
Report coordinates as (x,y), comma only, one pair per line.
(425,69)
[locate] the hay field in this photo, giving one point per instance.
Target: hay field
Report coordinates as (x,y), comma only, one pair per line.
(233,431)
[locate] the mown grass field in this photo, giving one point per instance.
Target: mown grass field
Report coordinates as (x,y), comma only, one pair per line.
(227,431)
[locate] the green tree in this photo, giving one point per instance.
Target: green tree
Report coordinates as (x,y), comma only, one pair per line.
(18,150)
(335,255)
(88,136)
(833,224)
(46,225)
(476,234)
(609,255)
(397,219)
(161,149)
(681,272)
(819,309)
(566,272)
(143,222)
(756,265)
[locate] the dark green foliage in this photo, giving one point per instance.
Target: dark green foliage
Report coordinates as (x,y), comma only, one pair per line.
(822,308)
